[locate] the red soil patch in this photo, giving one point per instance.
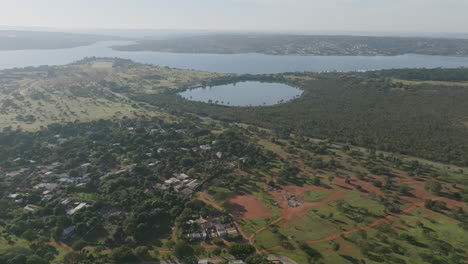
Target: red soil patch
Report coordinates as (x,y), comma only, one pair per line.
(248,207)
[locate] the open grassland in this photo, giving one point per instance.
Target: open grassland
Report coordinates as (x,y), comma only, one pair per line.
(316,196)
(88,90)
(443,83)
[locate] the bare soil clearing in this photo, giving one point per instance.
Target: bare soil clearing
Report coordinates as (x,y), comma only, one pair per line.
(249,207)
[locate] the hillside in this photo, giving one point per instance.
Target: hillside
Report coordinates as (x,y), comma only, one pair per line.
(140,190)
(87,90)
(22,40)
(102,162)
(304,45)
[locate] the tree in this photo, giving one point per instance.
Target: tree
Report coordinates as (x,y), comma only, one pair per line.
(184,251)
(216,251)
(316,181)
(142,252)
(433,186)
(257,259)
(76,258)
(29,235)
(348,180)
(314,254)
(123,254)
(79,245)
(18,259)
(34,259)
(241,251)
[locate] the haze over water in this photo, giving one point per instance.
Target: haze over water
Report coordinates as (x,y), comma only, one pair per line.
(228,63)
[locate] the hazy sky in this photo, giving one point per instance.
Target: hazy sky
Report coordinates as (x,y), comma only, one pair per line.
(360,15)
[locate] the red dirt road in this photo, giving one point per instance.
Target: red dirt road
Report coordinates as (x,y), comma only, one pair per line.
(58,244)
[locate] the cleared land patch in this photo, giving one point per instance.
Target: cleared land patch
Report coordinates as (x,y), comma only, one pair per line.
(249,207)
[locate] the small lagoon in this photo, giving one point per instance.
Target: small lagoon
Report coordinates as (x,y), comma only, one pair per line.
(243,94)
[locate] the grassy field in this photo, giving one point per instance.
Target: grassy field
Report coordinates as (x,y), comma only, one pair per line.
(316,196)
(86,91)
(408,82)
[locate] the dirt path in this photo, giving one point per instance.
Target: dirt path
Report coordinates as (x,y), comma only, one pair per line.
(256,232)
(202,196)
(57,244)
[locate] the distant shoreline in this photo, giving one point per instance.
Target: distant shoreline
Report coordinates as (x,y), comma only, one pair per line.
(297,45)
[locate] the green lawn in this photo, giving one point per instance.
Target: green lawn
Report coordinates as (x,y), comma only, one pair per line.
(267,239)
(310,227)
(316,196)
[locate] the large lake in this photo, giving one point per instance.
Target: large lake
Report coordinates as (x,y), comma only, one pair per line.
(243,94)
(227,63)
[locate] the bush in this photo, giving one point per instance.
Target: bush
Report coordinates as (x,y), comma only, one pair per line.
(123,254)
(79,244)
(241,251)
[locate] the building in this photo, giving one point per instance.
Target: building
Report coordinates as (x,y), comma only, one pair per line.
(181,176)
(68,232)
(47,186)
(193,184)
(205,147)
(221,230)
(77,208)
(232,231)
(31,207)
(171,181)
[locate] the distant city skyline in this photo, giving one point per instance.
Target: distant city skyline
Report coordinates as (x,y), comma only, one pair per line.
(254,15)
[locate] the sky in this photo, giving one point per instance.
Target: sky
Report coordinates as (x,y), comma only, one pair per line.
(272,15)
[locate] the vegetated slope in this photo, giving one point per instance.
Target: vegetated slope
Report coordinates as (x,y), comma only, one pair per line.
(107,181)
(373,208)
(437,74)
(87,90)
(369,207)
(304,45)
(426,120)
(22,40)
(117,170)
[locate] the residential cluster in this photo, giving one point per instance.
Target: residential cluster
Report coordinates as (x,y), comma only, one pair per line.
(209,228)
(292,200)
(181,182)
(49,181)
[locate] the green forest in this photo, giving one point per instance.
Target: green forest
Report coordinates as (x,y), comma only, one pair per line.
(371,109)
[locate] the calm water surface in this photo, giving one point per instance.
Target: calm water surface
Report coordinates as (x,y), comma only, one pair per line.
(244,94)
(228,63)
